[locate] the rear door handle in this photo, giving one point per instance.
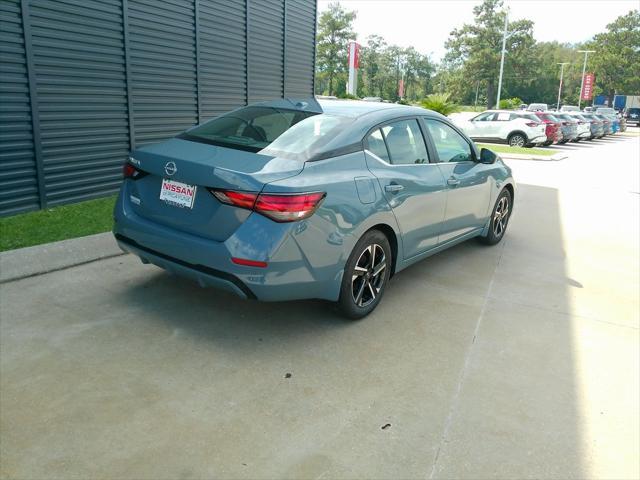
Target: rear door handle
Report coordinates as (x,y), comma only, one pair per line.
(393,187)
(453,182)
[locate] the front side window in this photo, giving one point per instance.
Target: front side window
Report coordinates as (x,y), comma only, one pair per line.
(485,117)
(450,145)
(405,142)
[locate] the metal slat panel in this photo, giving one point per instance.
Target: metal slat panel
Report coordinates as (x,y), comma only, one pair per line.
(265,50)
(78,53)
(299,48)
(222,45)
(163,67)
(83,78)
(18,177)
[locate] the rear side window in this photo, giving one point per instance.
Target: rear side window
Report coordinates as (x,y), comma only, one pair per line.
(450,145)
(405,142)
(376,145)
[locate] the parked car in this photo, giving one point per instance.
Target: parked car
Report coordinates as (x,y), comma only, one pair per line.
(582,129)
(606,111)
(597,125)
(292,200)
(516,128)
(538,107)
(613,118)
(552,127)
(587,129)
(606,122)
(569,108)
(372,99)
(569,127)
(632,116)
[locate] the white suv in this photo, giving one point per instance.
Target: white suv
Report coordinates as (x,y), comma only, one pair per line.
(518,129)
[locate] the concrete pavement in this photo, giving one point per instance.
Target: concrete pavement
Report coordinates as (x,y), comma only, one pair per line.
(517,361)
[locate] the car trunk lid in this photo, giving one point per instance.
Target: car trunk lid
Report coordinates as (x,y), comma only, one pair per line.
(201,167)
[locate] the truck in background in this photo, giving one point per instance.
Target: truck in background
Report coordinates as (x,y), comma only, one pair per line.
(620,102)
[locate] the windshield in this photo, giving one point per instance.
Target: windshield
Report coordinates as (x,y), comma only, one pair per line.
(307,137)
(249,128)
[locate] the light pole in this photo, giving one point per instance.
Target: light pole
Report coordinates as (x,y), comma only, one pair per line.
(504,50)
(560,88)
(584,69)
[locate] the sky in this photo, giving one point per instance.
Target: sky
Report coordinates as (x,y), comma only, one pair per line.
(426,24)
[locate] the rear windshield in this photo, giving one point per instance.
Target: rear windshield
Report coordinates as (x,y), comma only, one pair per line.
(548,116)
(250,128)
(530,116)
(308,137)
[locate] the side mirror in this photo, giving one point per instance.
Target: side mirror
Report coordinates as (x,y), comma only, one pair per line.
(487,156)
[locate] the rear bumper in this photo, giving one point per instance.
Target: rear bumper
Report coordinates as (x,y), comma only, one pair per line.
(205,276)
(294,269)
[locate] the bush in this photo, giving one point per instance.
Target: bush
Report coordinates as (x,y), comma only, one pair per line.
(439,102)
(348,96)
(510,103)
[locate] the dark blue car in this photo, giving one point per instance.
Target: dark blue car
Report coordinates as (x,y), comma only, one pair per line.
(298,199)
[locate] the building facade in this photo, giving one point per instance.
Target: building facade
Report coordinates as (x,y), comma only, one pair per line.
(82,82)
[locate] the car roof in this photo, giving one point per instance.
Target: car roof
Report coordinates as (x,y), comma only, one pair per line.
(356,108)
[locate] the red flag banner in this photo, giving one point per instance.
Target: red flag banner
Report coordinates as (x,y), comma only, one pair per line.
(587,86)
(353,55)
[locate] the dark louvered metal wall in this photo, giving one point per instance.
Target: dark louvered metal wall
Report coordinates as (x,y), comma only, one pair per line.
(84,81)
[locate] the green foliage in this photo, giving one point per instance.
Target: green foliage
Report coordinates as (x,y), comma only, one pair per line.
(59,223)
(383,66)
(510,103)
(474,50)
(439,102)
(348,96)
(617,56)
(335,29)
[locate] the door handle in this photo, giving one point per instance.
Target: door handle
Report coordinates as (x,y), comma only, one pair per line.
(393,187)
(453,182)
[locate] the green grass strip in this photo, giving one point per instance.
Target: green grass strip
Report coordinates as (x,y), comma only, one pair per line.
(519,150)
(58,223)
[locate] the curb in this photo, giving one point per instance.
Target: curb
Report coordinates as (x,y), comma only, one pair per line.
(50,257)
(545,158)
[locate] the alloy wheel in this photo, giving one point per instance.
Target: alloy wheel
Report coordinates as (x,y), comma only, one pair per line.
(501,216)
(368,275)
(517,141)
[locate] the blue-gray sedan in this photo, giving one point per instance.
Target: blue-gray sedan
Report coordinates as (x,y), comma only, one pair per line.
(297,199)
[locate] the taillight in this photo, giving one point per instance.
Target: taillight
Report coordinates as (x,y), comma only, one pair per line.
(278,207)
(533,124)
(129,171)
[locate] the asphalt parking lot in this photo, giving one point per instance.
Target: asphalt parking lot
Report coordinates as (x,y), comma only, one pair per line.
(517,361)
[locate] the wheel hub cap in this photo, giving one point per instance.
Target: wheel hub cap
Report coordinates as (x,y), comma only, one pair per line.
(368,275)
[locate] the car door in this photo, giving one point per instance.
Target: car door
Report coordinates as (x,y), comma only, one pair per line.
(481,125)
(468,183)
(414,188)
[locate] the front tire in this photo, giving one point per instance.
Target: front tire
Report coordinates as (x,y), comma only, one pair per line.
(499,219)
(366,275)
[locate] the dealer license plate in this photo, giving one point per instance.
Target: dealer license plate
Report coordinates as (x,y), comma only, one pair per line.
(177,194)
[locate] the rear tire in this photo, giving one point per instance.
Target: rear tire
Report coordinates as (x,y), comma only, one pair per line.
(366,275)
(517,140)
(499,219)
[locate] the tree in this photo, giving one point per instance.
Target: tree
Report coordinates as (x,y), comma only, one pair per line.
(476,48)
(334,32)
(617,56)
